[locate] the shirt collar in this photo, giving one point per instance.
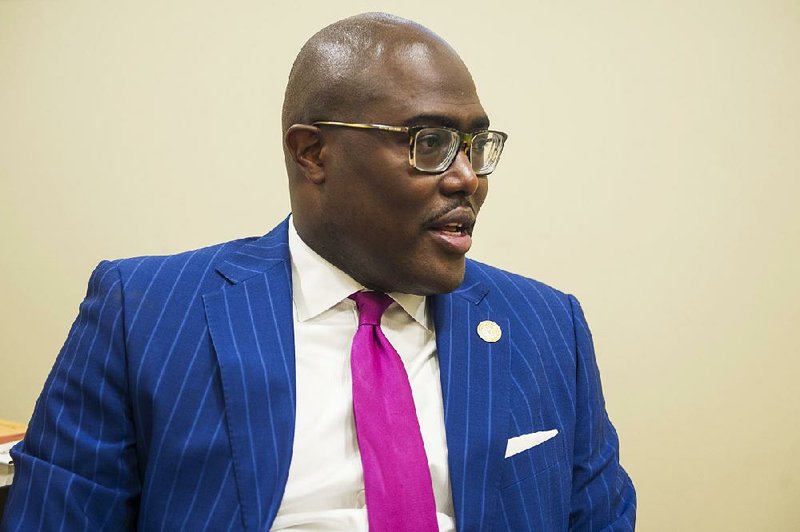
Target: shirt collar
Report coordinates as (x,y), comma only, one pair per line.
(318,285)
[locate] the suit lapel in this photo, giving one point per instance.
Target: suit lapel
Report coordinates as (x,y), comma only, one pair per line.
(252,331)
(475,375)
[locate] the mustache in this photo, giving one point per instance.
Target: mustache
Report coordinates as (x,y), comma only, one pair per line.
(448,208)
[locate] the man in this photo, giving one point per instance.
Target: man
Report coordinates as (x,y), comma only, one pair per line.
(216,389)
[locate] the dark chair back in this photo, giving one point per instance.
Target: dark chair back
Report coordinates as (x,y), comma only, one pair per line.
(3,495)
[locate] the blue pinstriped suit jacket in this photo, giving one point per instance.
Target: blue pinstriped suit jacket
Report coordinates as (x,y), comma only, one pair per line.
(171,404)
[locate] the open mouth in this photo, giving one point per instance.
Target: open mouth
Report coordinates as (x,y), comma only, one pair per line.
(455,229)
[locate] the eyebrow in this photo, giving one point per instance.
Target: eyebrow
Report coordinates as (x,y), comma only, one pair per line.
(432,119)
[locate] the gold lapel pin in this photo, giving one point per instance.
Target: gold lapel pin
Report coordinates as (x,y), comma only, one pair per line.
(489,331)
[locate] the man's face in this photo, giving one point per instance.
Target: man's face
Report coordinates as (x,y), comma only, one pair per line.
(388,225)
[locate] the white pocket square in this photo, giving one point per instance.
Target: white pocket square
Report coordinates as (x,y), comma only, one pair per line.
(518,444)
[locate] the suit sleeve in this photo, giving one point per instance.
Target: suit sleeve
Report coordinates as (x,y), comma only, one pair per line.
(76,468)
(603,497)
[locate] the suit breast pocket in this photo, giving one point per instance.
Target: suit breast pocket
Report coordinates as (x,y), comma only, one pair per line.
(535,489)
(527,463)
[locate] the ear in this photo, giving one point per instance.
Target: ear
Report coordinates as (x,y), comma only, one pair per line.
(304,143)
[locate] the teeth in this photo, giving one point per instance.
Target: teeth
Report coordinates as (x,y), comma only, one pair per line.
(453,228)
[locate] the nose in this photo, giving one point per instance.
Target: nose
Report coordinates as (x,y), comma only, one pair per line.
(460,178)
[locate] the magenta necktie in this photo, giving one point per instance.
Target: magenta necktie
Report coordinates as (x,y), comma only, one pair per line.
(397,481)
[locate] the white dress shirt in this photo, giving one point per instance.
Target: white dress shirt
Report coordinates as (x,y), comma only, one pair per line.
(325,489)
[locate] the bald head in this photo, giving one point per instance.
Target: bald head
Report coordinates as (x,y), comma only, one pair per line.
(337,73)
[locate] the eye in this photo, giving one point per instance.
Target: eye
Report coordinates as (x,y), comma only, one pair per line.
(479,143)
(429,141)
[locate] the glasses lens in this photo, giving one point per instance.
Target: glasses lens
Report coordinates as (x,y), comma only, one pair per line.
(485,152)
(434,149)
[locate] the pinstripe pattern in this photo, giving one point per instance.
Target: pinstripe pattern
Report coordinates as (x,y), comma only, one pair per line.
(573,481)
(171,405)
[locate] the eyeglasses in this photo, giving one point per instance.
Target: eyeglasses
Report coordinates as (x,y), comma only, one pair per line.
(433,149)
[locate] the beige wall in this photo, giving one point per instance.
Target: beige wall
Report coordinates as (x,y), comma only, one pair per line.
(653,169)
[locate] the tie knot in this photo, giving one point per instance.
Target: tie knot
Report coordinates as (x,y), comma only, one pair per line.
(371,306)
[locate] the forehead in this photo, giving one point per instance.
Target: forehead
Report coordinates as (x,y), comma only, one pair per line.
(420,83)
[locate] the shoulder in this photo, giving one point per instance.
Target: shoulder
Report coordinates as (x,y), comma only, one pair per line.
(156,277)
(502,284)
(539,306)
(190,258)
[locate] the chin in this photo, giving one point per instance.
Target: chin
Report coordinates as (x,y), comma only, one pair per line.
(424,279)
(446,283)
